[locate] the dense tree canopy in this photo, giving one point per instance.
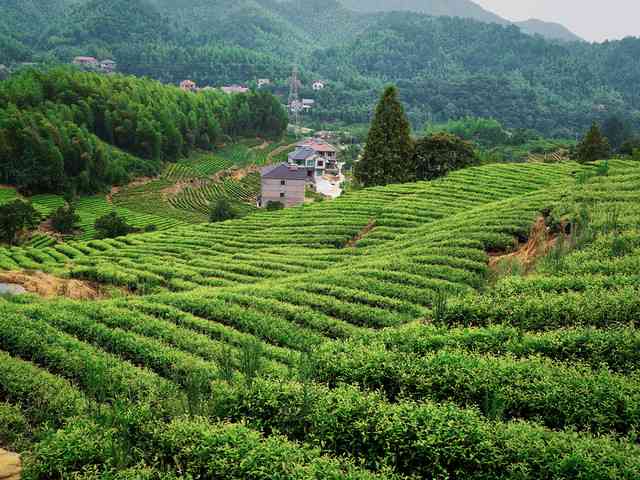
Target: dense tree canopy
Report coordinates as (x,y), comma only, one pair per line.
(438,154)
(64,130)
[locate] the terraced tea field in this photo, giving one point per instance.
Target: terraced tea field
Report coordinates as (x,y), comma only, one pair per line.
(364,338)
(182,195)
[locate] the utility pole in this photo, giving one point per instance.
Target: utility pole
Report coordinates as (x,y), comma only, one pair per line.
(295,104)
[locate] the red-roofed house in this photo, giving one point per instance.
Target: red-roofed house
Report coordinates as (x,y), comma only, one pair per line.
(188,86)
(86,61)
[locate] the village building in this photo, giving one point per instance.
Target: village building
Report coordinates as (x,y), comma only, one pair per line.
(308,158)
(108,66)
(325,151)
(188,86)
(262,82)
(284,183)
(230,89)
(318,85)
(307,104)
(91,62)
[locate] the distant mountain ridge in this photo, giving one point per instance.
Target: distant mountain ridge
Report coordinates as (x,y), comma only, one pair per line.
(463,9)
(439,8)
(446,67)
(549,30)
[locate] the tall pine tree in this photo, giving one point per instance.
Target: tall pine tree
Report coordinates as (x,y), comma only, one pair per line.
(388,155)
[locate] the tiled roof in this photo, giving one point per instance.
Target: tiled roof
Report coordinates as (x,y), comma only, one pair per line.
(318,146)
(302,153)
(286,172)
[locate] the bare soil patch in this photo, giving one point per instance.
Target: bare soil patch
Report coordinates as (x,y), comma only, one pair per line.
(49,286)
(538,245)
(10,465)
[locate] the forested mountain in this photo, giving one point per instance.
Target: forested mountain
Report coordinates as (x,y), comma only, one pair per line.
(446,68)
(463,9)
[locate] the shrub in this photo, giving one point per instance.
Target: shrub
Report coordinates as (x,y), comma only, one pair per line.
(273,206)
(112,225)
(222,210)
(13,426)
(65,219)
(15,218)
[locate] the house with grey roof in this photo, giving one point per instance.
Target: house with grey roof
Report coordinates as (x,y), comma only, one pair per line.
(305,156)
(284,183)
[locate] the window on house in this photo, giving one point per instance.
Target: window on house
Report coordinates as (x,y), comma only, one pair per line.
(283,182)
(282,195)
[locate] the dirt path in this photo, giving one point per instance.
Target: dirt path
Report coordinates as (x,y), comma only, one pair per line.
(263,146)
(362,233)
(10,465)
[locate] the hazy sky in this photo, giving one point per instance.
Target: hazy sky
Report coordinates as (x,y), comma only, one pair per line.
(594,20)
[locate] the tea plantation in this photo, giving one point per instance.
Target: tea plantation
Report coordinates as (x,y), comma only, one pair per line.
(377,336)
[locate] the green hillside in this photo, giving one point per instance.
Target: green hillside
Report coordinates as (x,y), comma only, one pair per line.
(369,337)
(65,131)
(447,67)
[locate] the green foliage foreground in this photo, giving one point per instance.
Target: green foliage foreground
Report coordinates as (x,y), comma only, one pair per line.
(361,338)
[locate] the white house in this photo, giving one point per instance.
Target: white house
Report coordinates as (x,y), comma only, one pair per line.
(327,153)
(263,82)
(234,89)
(108,66)
(318,85)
